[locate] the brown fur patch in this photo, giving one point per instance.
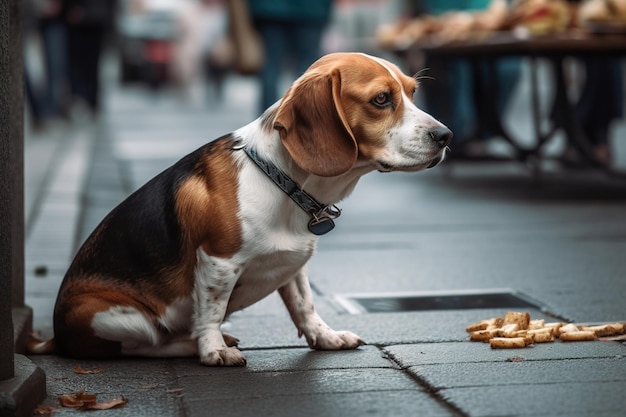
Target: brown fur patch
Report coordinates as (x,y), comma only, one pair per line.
(80,301)
(207,205)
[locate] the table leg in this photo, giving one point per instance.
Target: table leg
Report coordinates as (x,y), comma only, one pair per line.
(565,117)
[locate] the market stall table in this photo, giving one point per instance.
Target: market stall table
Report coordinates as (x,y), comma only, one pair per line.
(554,49)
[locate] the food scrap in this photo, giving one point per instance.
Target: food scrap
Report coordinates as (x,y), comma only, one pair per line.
(44,410)
(517,330)
(519,18)
(79,370)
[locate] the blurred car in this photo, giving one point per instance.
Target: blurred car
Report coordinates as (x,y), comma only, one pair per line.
(146,30)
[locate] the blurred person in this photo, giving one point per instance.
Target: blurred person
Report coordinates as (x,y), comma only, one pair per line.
(451,93)
(52,29)
(88,22)
(202,30)
(33,96)
(292,32)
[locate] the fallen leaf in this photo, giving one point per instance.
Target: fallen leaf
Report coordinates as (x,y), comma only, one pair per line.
(107,405)
(44,410)
(78,400)
(84,401)
(81,371)
(515,359)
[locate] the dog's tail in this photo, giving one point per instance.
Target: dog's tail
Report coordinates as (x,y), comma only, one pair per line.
(36,346)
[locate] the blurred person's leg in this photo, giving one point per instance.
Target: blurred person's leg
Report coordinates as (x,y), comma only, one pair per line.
(84,49)
(33,99)
(307,41)
(508,73)
(463,118)
(54,39)
(275,37)
(75,48)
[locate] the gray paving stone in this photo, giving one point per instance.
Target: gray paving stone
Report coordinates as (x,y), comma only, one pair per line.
(357,404)
(117,377)
(215,385)
(268,360)
(438,353)
(146,384)
(604,399)
(451,375)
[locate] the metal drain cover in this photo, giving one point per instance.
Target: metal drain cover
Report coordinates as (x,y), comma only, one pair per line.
(434,300)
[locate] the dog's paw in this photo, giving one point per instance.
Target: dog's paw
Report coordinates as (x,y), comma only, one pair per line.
(227,356)
(333,340)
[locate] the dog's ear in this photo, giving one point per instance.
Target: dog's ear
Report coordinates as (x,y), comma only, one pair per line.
(313,127)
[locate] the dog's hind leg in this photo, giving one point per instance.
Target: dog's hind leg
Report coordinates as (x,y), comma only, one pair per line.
(178,347)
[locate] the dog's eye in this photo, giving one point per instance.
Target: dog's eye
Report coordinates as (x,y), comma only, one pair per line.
(382,100)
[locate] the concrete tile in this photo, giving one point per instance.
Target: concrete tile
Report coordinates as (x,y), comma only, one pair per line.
(452,375)
(357,404)
(576,399)
(46,283)
(305,359)
(43,308)
(216,385)
(118,377)
(140,404)
(145,383)
(447,353)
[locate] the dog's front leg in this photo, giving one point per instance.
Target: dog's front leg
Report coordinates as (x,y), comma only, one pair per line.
(297,296)
(215,279)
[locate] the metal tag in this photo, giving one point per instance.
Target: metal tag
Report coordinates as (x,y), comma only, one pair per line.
(321,226)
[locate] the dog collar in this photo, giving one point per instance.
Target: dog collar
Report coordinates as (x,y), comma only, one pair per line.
(321,215)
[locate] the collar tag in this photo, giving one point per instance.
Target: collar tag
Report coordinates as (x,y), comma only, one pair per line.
(321,226)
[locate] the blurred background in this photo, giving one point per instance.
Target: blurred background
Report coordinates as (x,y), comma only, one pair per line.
(77,50)
(80,54)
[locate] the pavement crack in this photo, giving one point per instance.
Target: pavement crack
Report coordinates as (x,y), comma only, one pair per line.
(433,391)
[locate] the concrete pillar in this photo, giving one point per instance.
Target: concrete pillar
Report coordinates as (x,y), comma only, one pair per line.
(22,384)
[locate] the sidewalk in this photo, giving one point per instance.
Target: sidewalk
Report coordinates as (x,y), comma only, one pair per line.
(560,242)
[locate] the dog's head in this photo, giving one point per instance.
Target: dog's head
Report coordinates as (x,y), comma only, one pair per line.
(350,107)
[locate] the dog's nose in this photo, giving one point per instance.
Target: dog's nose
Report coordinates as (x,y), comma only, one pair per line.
(441,135)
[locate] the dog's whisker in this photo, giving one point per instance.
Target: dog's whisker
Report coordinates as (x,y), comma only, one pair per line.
(418,76)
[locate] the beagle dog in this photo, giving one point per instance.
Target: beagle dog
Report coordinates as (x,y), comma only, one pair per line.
(239,218)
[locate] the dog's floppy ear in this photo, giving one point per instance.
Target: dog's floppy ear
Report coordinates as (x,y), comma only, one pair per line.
(313,127)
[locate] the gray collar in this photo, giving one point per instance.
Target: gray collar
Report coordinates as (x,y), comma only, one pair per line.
(321,215)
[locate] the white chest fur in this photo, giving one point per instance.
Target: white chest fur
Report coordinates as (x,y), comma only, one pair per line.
(277,243)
